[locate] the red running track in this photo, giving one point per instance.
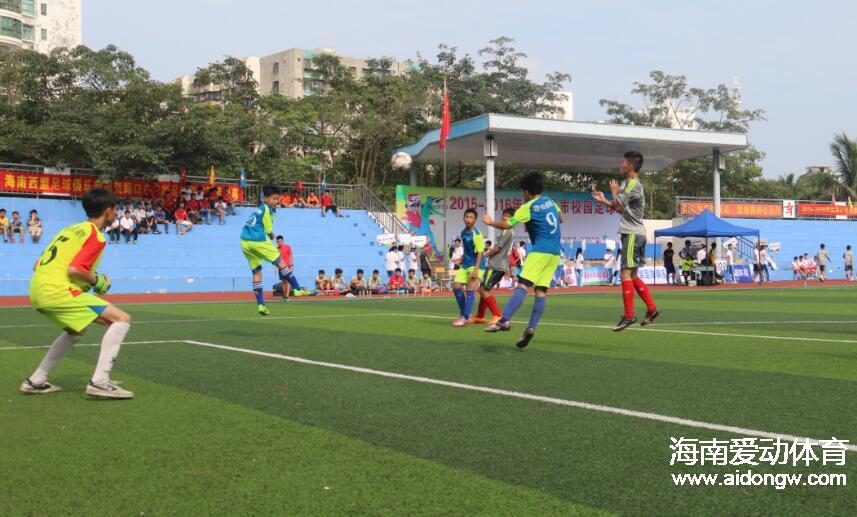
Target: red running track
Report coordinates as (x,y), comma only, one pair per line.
(23,301)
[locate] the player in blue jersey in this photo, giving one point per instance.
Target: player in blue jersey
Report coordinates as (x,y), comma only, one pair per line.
(469,272)
(258,247)
(542,219)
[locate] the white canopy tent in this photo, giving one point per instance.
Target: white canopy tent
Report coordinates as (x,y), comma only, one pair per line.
(561,145)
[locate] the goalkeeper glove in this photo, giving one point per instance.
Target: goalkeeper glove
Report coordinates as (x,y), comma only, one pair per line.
(102,283)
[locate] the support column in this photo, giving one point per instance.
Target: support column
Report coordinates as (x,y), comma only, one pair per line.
(490,149)
(715,172)
(412,171)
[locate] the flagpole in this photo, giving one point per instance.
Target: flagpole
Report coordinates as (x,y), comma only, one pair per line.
(445,196)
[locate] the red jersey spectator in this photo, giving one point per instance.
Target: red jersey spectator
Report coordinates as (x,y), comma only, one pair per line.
(193,211)
(397,281)
(168,204)
(328,206)
(183,225)
(285,252)
(286,201)
(212,197)
(312,200)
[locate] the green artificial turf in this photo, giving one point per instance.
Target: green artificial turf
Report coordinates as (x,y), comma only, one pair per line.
(217,431)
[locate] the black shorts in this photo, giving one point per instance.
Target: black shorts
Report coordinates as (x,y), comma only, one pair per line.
(822,268)
(330,208)
(633,251)
(670,268)
(849,268)
(491,279)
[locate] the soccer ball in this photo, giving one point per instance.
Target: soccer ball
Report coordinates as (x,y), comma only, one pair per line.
(401,161)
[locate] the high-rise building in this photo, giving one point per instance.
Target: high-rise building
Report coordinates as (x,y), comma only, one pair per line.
(41,25)
(285,73)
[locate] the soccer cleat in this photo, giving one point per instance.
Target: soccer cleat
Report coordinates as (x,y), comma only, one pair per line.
(495,319)
(38,389)
(285,298)
(499,327)
(525,338)
(650,317)
(263,310)
(108,390)
(624,323)
(460,322)
(477,319)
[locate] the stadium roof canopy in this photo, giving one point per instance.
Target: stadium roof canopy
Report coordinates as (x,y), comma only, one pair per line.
(563,145)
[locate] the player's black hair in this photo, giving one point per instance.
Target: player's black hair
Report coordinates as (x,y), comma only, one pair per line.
(822,245)
(359,271)
(97,200)
(471,211)
(509,211)
(687,243)
(16,213)
(398,270)
(337,271)
(635,158)
(487,244)
(270,190)
(412,270)
(456,239)
(669,245)
(522,243)
(279,237)
(794,258)
(375,271)
(320,271)
(848,247)
(534,183)
(3,210)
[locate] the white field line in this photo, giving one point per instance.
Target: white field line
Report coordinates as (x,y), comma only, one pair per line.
(209,320)
(668,331)
(78,345)
(789,322)
(519,395)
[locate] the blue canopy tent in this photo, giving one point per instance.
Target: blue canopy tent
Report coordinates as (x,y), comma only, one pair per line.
(707,225)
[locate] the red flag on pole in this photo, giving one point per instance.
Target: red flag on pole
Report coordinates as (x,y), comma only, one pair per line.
(184,176)
(444,125)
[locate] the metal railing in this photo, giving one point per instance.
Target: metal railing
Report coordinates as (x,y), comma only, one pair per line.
(386,218)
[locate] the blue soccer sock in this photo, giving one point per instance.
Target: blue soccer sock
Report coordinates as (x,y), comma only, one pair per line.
(514,304)
(260,294)
(459,297)
(538,310)
(468,304)
(292,279)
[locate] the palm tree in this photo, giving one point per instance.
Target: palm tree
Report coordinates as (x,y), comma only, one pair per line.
(840,183)
(789,183)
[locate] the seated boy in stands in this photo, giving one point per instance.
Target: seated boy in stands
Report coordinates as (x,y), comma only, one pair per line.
(323,283)
(220,209)
(4,225)
(286,201)
(376,284)
(412,283)
(183,224)
(192,207)
(230,203)
(312,200)
(297,200)
(328,206)
(358,283)
(16,226)
(161,219)
(338,281)
(426,285)
(34,226)
(397,281)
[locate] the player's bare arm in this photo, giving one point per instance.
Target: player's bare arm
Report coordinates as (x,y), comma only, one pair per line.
(500,225)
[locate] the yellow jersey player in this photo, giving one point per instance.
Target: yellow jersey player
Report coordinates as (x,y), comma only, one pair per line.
(258,245)
(62,277)
(466,281)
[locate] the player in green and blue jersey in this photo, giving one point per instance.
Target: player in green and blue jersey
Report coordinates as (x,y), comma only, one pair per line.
(542,218)
(470,268)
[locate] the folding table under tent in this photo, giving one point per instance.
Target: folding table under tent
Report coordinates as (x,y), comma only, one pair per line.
(706,225)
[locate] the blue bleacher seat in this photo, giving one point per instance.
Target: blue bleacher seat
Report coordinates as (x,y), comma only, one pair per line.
(208,259)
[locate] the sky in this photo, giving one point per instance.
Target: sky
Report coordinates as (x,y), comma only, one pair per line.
(795,60)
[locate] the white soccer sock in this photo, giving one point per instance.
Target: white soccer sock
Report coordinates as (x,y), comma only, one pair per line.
(58,349)
(110,344)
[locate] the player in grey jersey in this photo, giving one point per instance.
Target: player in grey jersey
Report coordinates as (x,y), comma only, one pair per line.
(498,267)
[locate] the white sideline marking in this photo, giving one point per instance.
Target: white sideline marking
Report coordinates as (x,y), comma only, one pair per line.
(668,331)
(789,322)
(77,345)
(519,395)
(209,320)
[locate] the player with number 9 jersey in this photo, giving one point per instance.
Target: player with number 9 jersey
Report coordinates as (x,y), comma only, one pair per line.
(542,220)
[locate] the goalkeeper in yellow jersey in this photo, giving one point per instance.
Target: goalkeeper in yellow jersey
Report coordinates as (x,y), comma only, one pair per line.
(59,290)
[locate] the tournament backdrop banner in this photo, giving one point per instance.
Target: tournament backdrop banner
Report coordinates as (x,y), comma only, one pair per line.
(77,185)
(421,211)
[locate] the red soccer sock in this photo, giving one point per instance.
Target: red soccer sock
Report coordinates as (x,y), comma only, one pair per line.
(628,298)
(492,305)
(483,306)
(643,291)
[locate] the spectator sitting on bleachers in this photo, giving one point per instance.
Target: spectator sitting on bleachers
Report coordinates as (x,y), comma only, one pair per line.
(358,283)
(328,206)
(138,213)
(220,209)
(151,225)
(376,284)
(160,216)
(426,285)
(230,203)
(412,283)
(323,283)
(397,281)
(16,226)
(199,195)
(312,200)
(204,211)
(34,226)
(4,225)
(340,285)
(128,226)
(286,201)
(797,274)
(297,200)
(183,224)
(193,211)
(168,204)
(113,230)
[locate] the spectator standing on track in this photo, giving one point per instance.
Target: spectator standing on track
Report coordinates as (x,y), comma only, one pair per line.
(16,226)
(413,259)
(390,261)
(578,266)
(34,226)
(522,252)
(455,255)
(848,261)
(730,263)
(822,263)
(400,258)
(610,266)
(669,263)
(686,256)
(763,258)
(425,259)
